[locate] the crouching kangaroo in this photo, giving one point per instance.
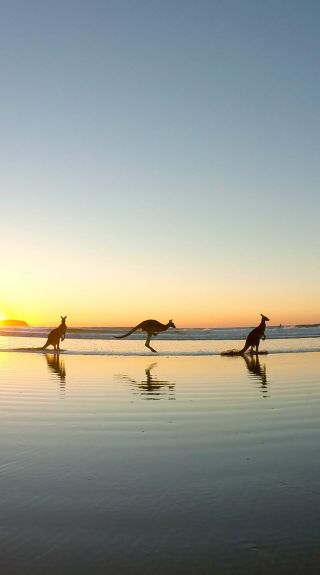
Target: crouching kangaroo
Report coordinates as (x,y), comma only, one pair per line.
(56,335)
(254,337)
(151,327)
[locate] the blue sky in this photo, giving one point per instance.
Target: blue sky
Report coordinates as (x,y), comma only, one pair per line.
(160,159)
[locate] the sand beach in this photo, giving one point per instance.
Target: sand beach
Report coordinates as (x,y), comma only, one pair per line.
(159,464)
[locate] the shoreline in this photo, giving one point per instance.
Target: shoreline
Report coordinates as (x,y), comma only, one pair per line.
(66,352)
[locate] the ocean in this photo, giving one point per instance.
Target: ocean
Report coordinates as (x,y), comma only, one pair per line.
(186,341)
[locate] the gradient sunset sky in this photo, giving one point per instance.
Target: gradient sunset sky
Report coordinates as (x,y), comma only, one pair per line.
(160,158)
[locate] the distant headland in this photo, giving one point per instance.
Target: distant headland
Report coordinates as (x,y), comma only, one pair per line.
(308,325)
(13,323)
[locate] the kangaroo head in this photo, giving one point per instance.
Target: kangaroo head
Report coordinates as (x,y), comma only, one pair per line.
(63,319)
(171,324)
(264,317)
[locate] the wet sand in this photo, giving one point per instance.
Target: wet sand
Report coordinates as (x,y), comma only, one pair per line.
(176,465)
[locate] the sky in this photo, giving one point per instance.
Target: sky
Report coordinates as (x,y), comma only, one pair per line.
(160,159)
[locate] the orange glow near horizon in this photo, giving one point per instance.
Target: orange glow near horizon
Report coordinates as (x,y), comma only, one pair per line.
(180,320)
(198,305)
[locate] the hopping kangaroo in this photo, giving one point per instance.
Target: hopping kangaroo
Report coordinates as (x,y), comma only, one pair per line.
(56,335)
(151,327)
(254,337)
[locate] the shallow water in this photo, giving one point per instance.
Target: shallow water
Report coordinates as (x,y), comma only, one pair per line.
(159,465)
(167,347)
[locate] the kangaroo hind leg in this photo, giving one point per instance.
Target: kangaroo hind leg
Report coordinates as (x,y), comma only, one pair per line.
(244,349)
(147,344)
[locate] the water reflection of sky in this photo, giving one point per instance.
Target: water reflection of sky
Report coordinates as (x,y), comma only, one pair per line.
(195,473)
(172,377)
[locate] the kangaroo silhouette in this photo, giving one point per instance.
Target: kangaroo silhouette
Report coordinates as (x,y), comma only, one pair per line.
(57,334)
(254,337)
(151,327)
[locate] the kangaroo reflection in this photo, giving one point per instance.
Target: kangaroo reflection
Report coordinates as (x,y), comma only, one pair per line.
(57,367)
(257,371)
(151,387)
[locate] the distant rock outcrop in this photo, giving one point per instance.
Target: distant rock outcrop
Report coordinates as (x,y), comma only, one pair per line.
(13,323)
(308,325)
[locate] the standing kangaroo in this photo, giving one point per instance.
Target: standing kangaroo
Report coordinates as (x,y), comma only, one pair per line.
(254,337)
(151,327)
(56,334)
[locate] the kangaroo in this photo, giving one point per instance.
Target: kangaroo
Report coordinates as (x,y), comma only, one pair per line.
(56,334)
(254,337)
(151,327)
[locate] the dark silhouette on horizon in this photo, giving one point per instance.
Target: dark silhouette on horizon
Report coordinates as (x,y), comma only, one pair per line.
(152,327)
(56,335)
(254,337)
(13,323)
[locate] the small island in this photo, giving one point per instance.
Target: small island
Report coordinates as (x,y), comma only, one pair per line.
(13,323)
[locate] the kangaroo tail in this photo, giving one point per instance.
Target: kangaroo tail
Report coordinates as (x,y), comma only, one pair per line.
(45,345)
(244,349)
(129,332)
